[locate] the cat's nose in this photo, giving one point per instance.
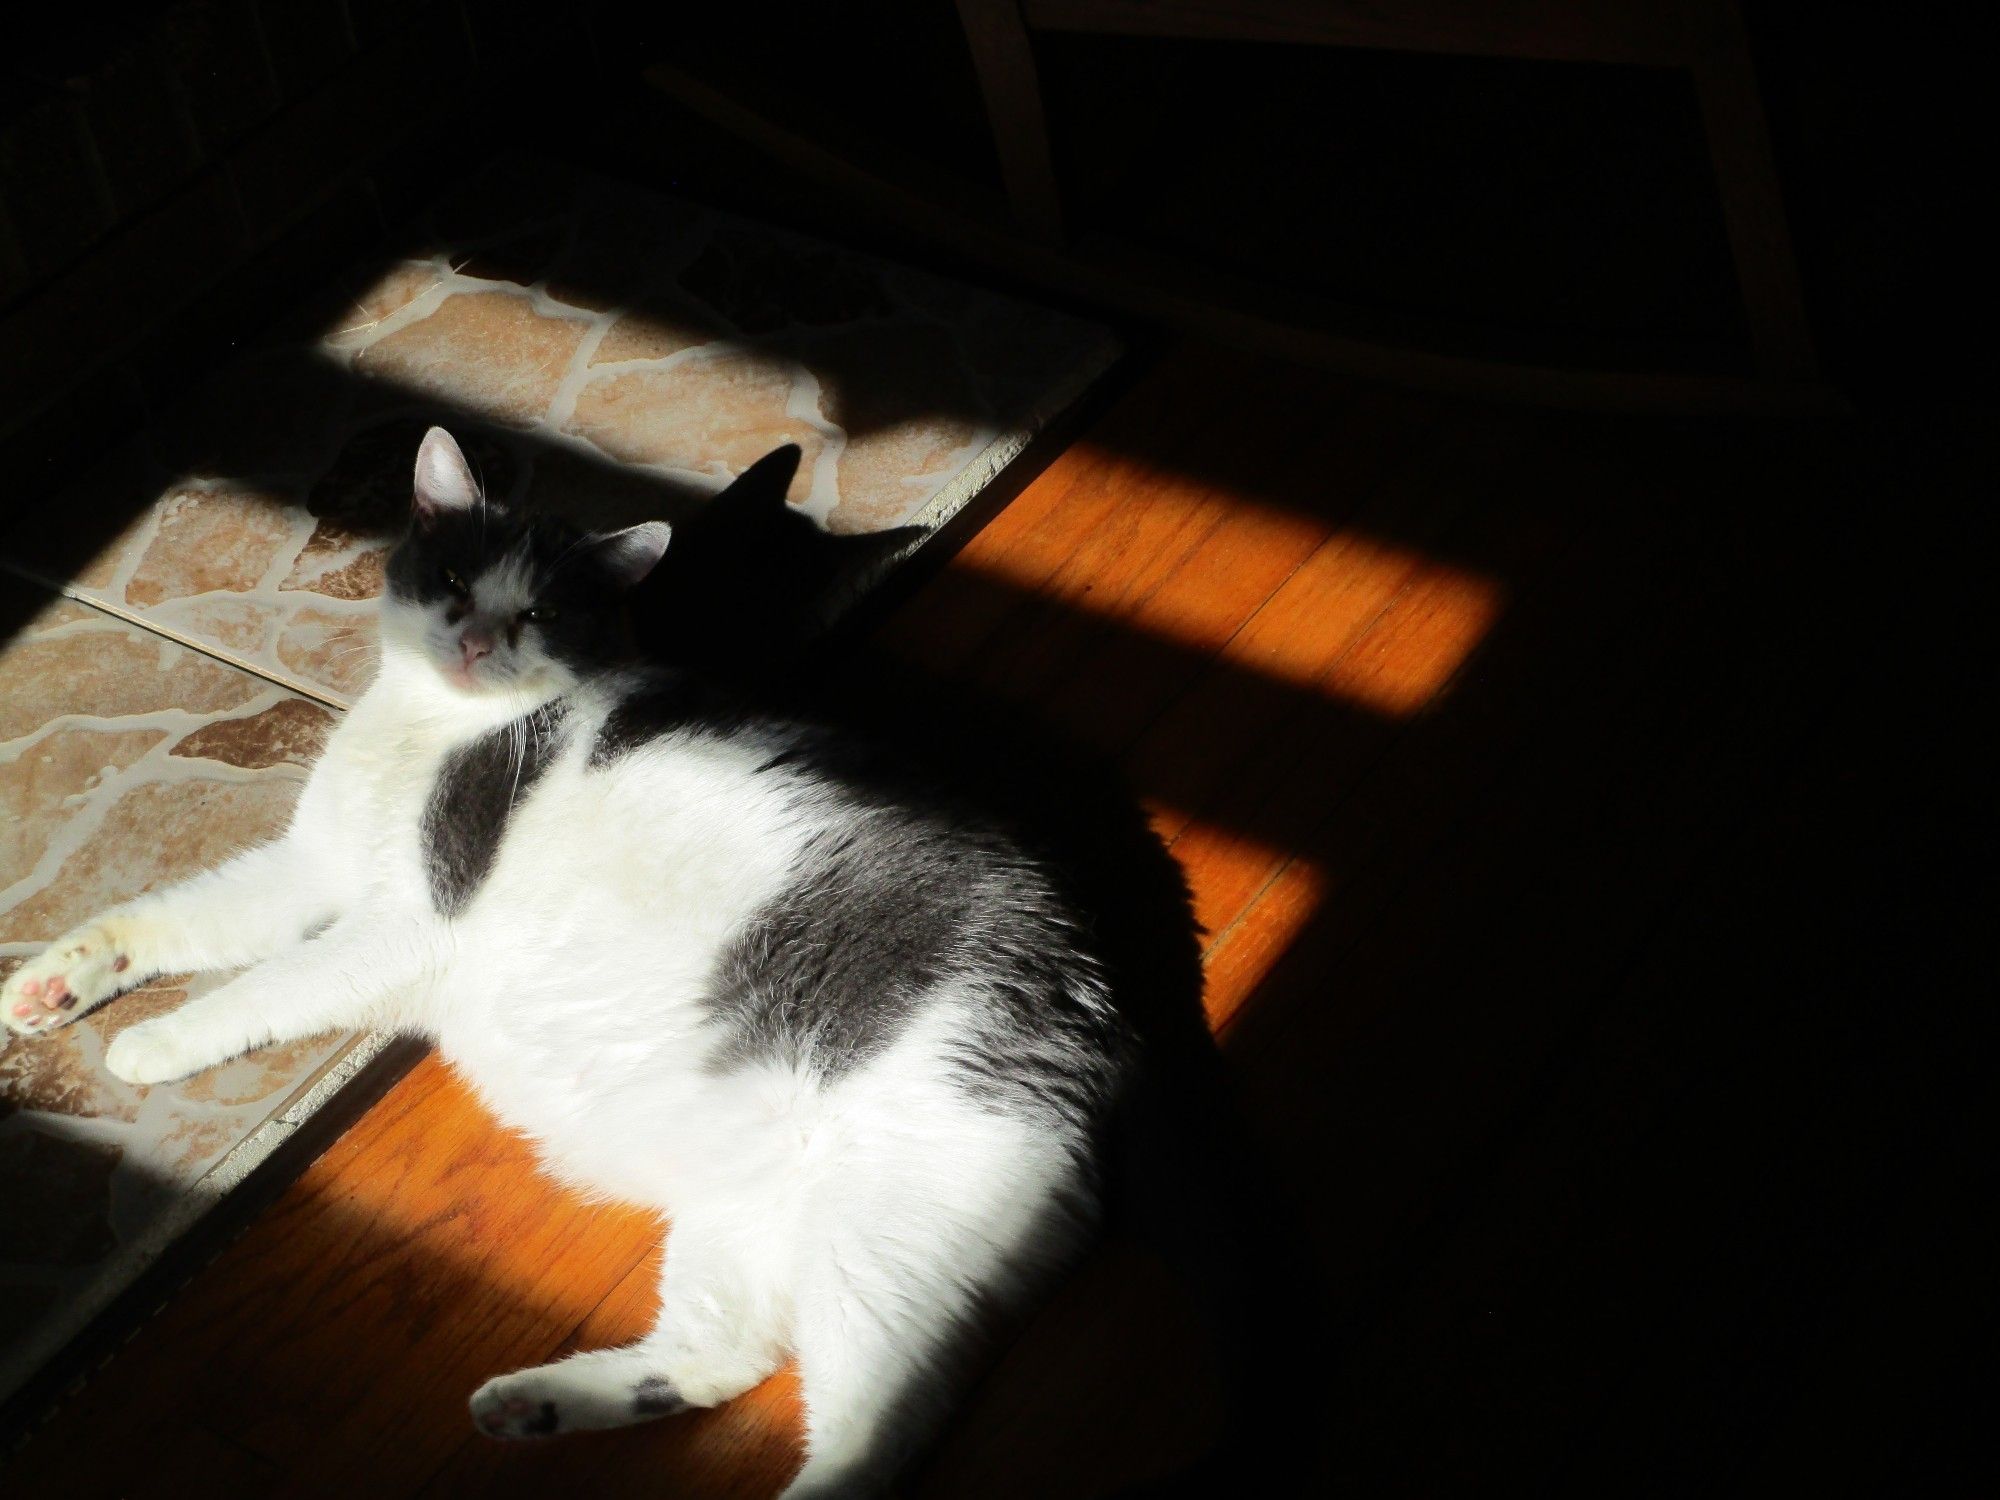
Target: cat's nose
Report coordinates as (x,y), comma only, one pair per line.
(475,644)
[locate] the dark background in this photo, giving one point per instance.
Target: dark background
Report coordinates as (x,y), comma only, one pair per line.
(172,176)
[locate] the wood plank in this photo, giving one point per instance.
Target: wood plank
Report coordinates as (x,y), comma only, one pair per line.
(745,1450)
(1782,1175)
(340,1337)
(1258,556)
(1330,1118)
(1071,1414)
(1114,464)
(1096,616)
(1452,885)
(1117,1322)
(1358,838)
(1006,66)
(1395,635)
(1563,864)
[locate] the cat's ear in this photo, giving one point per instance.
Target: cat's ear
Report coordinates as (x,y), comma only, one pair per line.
(444,479)
(629,555)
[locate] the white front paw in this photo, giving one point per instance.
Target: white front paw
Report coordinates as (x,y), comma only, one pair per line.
(74,974)
(151,1052)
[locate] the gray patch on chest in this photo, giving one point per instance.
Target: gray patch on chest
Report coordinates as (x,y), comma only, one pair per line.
(478,788)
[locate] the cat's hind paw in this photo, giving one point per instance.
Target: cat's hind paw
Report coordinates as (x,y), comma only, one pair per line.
(76,973)
(605,1388)
(502,1416)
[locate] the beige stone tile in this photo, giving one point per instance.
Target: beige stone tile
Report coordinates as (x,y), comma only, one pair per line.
(332,651)
(210,536)
(58,1192)
(62,1074)
(382,299)
(657,330)
(625,245)
(76,660)
(40,788)
(497,353)
(291,732)
(718,413)
(339,563)
(126,762)
(889,473)
(237,627)
(911,413)
(595,490)
(664,348)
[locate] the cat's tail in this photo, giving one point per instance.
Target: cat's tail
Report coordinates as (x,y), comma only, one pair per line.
(1188,1185)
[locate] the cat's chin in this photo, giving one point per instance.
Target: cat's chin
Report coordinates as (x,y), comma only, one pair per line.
(462,683)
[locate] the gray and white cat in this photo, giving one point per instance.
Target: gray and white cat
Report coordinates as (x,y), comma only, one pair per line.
(852,1036)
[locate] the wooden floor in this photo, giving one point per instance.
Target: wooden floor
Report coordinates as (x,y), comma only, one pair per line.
(1502,752)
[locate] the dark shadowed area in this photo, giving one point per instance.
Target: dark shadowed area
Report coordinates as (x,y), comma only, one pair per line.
(1585,851)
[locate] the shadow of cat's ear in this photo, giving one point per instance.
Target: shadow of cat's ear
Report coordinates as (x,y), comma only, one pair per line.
(762,486)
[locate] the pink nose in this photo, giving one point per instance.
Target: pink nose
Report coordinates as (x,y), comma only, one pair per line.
(475,644)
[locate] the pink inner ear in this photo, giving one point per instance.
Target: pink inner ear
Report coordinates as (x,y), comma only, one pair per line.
(444,481)
(634,552)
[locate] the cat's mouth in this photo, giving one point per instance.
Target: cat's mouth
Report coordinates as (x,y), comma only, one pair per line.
(465,676)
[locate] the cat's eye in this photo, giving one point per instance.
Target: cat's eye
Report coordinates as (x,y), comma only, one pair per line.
(456,584)
(541,614)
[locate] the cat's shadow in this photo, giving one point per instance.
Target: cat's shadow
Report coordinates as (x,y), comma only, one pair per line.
(754,594)
(751,586)
(761,599)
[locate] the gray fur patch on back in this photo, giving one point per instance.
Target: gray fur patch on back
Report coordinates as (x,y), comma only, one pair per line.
(868,926)
(892,907)
(902,895)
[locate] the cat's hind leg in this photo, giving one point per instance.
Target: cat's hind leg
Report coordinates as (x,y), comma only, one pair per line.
(595,1389)
(720,1331)
(916,1253)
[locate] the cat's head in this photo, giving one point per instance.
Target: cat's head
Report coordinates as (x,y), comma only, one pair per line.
(502,602)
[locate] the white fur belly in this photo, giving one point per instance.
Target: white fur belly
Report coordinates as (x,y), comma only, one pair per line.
(575,998)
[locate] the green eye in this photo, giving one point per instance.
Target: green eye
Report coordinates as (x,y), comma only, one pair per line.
(456,584)
(541,614)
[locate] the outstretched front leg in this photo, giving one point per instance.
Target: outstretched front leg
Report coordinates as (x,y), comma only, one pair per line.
(349,975)
(235,914)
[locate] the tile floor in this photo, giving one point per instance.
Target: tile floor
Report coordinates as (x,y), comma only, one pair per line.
(601,351)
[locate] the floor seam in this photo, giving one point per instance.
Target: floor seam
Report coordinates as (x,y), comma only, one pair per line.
(75,594)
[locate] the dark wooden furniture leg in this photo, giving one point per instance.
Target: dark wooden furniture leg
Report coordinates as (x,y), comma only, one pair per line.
(1013,95)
